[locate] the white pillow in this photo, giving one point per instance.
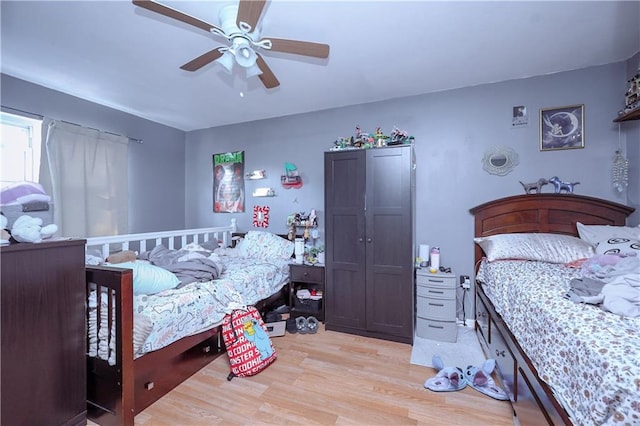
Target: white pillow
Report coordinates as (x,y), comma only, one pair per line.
(593,234)
(553,248)
(265,245)
(150,279)
(620,246)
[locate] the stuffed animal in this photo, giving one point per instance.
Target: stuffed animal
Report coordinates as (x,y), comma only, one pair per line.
(4,232)
(27,229)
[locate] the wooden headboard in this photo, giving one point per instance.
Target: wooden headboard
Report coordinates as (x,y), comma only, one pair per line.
(552,213)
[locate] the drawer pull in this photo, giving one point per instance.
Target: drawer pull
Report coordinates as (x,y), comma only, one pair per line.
(500,353)
(436,326)
(436,292)
(435,281)
(306,274)
(206,349)
(149,385)
(436,304)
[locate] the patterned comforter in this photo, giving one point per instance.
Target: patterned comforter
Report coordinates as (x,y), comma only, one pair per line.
(163,318)
(589,357)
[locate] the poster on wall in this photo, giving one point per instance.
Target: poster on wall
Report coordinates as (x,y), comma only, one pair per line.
(228,182)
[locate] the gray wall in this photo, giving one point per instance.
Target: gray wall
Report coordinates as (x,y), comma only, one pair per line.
(171,173)
(452,130)
(156,167)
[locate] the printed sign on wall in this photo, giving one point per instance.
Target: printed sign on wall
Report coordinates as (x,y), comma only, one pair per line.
(228,182)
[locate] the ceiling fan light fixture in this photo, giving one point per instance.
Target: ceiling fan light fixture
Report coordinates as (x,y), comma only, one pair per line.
(226,60)
(253,71)
(245,56)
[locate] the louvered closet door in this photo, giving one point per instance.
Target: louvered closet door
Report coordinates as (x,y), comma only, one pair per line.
(389,248)
(345,258)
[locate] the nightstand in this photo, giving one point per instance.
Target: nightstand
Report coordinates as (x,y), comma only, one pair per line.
(436,305)
(311,278)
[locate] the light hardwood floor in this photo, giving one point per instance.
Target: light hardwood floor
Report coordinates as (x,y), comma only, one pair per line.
(326,378)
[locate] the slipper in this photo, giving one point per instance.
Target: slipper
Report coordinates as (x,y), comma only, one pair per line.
(291,325)
(480,379)
(301,325)
(448,379)
(312,325)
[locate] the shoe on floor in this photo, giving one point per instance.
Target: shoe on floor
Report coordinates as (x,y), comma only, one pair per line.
(448,379)
(480,379)
(312,325)
(291,326)
(301,325)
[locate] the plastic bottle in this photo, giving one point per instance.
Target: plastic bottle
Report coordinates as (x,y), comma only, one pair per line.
(434,259)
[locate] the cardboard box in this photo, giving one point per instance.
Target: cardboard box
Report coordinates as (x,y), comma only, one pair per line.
(276,329)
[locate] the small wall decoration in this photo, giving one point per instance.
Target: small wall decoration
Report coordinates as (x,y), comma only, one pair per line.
(562,128)
(261,216)
(256,174)
(520,116)
(228,182)
(264,192)
(500,160)
(291,178)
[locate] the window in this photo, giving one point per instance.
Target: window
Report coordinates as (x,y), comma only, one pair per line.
(19,149)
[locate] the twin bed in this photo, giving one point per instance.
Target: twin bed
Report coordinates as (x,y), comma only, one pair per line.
(563,362)
(560,361)
(149,330)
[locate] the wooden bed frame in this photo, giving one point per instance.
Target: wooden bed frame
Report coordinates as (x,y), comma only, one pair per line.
(115,394)
(532,399)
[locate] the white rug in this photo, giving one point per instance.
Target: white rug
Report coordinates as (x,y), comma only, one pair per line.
(466,351)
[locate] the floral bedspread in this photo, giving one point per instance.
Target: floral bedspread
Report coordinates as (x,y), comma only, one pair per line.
(589,357)
(200,306)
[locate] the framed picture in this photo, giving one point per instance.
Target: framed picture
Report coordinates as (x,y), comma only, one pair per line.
(520,116)
(228,182)
(562,128)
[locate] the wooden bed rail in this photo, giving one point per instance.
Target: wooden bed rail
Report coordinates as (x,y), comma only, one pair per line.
(110,389)
(116,393)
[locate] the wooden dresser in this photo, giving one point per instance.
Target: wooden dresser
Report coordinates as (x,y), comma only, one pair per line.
(43,333)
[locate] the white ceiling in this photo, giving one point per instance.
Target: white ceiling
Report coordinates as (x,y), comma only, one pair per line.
(119,55)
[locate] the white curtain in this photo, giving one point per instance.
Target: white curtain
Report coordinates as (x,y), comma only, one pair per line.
(85,172)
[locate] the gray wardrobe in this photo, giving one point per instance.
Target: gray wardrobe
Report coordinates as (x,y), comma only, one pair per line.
(369,232)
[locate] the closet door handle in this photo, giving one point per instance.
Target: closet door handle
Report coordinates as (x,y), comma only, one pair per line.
(369,239)
(360,240)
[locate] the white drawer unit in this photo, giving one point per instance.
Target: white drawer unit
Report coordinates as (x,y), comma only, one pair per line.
(436,306)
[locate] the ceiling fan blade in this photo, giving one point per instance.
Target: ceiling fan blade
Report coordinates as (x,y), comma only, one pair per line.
(202,60)
(267,77)
(249,11)
(306,48)
(175,14)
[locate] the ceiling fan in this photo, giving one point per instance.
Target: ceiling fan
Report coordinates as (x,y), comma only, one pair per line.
(238,24)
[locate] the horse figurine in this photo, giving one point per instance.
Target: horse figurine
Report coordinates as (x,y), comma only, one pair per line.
(537,186)
(560,185)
